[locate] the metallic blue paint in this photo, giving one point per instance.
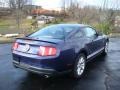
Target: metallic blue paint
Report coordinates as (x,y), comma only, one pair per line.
(67,50)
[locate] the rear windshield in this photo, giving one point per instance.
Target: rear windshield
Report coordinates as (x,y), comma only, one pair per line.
(55,32)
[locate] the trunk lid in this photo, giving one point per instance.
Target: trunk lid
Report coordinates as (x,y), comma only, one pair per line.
(31,45)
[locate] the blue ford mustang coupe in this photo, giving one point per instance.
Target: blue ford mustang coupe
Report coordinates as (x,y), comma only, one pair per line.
(58,49)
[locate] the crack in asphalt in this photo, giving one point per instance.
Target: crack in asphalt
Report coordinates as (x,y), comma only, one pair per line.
(106,80)
(107,77)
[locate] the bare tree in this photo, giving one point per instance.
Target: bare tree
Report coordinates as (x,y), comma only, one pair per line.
(17,4)
(108,12)
(17,7)
(73,9)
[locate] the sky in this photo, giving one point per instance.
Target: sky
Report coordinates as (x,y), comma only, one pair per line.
(51,4)
(48,3)
(57,3)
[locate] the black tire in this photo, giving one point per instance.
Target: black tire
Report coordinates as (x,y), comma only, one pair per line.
(76,73)
(105,51)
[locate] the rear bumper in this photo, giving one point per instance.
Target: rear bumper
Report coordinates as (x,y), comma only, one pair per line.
(42,65)
(41,71)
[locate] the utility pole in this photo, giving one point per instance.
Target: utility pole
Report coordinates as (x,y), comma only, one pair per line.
(18,15)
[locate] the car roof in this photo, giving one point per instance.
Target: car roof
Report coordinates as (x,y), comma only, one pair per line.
(74,25)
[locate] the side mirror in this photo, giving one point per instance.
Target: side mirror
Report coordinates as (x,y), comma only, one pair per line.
(100,33)
(96,35)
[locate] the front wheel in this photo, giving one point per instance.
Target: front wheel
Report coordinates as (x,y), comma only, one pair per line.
(79,66)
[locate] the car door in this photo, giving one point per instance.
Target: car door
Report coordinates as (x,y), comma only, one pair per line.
(73,44)
(78,40)
(93,40)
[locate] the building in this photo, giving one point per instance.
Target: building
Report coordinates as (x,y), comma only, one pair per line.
(41,11)
(117,24)
(42,19)
(117,21)
(29,8)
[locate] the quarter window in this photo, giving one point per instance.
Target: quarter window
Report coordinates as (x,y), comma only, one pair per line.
(89,32)
(78,34)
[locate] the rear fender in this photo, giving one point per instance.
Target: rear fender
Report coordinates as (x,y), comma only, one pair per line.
(84,51)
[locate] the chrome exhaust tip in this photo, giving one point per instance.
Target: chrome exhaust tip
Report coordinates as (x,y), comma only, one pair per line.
(46,76)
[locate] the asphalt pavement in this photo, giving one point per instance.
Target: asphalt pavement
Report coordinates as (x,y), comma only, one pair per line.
(103,73)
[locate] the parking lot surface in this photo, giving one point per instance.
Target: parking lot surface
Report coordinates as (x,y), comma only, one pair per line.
(103,73)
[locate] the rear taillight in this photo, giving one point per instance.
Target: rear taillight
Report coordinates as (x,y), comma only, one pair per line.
(47,51)
(15,46)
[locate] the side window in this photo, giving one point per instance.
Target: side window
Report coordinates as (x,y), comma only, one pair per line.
(78,34)
(89,32)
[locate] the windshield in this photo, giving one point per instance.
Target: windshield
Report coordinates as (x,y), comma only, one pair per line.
(54,32)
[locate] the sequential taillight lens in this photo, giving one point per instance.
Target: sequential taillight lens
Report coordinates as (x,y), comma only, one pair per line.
(47,51)
(15,46)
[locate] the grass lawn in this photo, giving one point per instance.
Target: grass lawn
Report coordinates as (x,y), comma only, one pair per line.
(6,40)
(9,26)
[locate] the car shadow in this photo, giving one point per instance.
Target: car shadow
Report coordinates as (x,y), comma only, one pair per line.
(65,82)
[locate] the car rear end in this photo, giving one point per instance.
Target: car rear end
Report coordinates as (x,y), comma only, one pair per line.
(39,56)
(45,51)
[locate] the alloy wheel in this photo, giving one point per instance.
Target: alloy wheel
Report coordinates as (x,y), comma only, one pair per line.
(81,66)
